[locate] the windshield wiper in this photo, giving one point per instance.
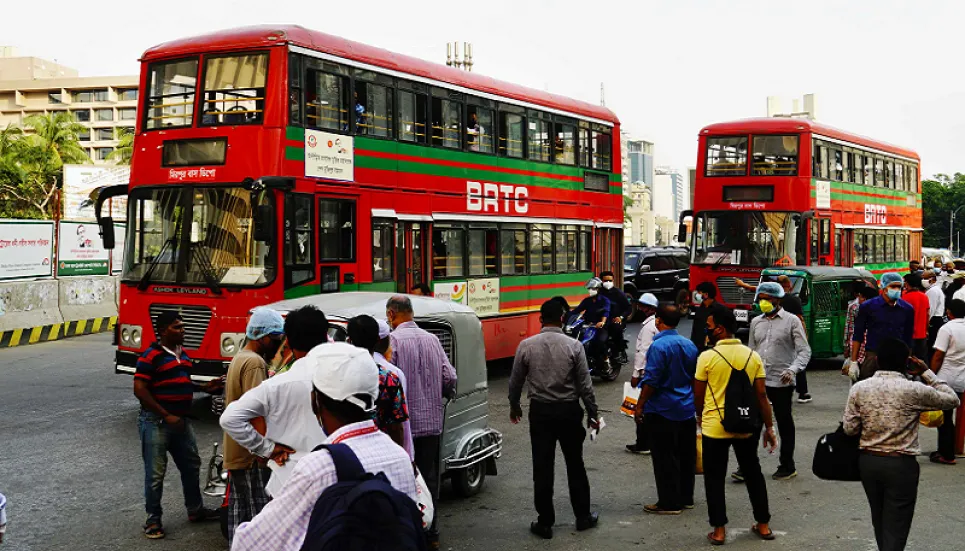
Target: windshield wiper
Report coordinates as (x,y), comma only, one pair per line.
(146,278)
(207,269)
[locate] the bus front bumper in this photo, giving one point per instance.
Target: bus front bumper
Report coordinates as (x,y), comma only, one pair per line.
(202,371)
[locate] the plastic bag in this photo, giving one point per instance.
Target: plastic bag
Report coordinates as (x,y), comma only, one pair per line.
(932,419)
(424,501)
(630,397)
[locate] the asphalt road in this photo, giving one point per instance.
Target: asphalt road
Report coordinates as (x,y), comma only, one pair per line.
(70,467)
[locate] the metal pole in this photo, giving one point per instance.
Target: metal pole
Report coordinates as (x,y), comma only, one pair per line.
(951,231)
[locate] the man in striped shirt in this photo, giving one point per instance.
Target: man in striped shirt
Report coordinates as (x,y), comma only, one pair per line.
(163,385)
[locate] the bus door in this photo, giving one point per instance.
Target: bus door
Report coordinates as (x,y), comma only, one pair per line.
(411,252)
(821,242)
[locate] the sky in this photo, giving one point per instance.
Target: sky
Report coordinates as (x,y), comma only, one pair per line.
(886,69)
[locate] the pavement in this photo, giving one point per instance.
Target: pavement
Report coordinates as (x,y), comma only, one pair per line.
(71,469)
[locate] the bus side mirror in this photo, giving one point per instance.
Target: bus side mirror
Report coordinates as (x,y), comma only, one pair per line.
(682,233)
(264,220)
(106,226)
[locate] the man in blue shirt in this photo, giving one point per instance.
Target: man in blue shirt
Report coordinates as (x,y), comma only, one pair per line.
(596,311)
(884,316)
(666,407)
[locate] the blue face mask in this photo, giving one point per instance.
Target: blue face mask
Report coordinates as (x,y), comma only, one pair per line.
(894,294)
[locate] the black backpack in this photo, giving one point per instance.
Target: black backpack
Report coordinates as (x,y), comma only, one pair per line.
(362,511)
(741,414)
(836,457)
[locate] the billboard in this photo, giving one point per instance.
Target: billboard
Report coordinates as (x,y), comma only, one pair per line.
(81,180)
(80,250)
(26,249)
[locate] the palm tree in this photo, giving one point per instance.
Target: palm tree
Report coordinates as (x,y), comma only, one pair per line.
(125,147)
(52,143)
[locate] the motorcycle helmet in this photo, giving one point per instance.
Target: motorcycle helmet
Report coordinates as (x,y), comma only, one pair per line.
(594,283)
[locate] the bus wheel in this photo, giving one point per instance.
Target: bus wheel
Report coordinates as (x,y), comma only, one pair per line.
(683,301)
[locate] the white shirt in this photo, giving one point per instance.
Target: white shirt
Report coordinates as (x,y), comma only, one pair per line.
(936,301)
(285,401)
(406,426)
(282,524)
(951,341)
(644,339)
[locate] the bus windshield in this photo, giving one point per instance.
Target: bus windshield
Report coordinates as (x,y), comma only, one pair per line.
(757,239)
(198,236)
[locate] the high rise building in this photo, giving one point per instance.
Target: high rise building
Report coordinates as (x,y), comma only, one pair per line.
(640,162)
(673,192)
(638,226)
(104,105)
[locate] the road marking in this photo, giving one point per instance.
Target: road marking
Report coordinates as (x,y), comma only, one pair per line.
(35,334)
(15,338)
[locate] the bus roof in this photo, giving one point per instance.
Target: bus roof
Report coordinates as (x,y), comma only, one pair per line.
(779,125)
(266,35)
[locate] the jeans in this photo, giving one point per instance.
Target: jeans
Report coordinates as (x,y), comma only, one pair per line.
(891,484)
(946,435)
(550,423)
(716,453)
(157,441)
(781,399)
(801,382)
(427,451)
(673,447)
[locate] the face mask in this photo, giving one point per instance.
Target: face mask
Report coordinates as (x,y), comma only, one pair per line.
(699,297)
(766,306)
(607,284)
(894,294)
(927,284)
(593,292)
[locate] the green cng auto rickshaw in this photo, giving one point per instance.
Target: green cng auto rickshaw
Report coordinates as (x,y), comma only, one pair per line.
(825,292)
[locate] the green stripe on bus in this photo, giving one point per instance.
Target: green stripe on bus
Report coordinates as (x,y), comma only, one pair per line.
(534,294)
(463,173)
(295,133)
(514,281)
(303,291)
(381,286)
(295,154)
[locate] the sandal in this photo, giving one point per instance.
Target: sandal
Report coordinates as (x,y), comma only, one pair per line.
(715,541)
(757,530)
(153,531)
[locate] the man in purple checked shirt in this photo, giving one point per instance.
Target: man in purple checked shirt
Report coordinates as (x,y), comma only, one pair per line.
(430,377)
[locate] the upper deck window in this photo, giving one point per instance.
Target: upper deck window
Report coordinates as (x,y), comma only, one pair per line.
(726,156)
(775,156)
(326,96)
(170,94)
(234,89)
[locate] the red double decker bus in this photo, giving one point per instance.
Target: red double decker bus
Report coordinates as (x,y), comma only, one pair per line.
(783,192)
(278,162)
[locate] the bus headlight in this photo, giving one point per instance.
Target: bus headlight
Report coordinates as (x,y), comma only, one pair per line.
(231,343)
(130,335)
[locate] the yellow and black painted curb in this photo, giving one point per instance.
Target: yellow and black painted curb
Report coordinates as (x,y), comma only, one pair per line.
(53,332)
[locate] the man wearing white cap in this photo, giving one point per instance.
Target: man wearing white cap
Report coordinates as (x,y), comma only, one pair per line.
(345,385)
(248,369)
(647,303)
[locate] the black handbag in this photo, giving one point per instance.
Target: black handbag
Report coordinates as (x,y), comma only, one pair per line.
(836,457)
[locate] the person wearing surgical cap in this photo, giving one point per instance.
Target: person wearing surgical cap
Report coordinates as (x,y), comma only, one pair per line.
(248,369)
(884,316)
(778,337)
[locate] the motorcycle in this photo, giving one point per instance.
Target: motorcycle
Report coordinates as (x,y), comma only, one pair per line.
(217,485)
(605,368)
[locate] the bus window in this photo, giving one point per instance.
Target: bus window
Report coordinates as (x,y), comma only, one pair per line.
(336,232)
(446,118)
(601,150)
(170,94)
(373,109)
(890,181)
(448,252)
(412,117)
(838,165)
(816,159)
(512,250)
(585,250)
(759,239)
(482,251)
(775,155)
(510,134)
(880,180)
(726,156)
(566,249)
(234,89)
(564,144)
(382,250)
(299,218)
(900,176)
(541,250)
(326,101)
(539,137)
(479,128)
(857,168)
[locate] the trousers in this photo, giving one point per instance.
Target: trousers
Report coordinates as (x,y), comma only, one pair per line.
(549,424)
(781,399)
(946,435)
(157,441)
(427,458)
(891,484)
(716,453)
(673,447)
(801,382)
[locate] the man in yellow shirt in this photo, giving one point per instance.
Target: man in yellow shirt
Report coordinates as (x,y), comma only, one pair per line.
(714,369)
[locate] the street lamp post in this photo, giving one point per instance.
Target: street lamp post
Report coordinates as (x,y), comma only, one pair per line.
(951,228)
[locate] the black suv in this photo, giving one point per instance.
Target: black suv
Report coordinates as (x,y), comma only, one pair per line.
(663,271)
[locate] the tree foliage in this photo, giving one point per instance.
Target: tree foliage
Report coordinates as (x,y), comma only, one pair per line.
(32,162)
(940,196)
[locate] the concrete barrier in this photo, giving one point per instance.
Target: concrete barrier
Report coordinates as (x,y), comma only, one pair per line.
(46,310)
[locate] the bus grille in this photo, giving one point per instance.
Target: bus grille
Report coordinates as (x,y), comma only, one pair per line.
(730,293)
(445,337)
(196,319)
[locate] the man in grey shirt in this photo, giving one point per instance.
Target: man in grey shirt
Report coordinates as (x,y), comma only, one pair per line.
(555,367)
(779,338)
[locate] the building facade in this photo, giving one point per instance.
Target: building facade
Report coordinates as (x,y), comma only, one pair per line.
(638,225)
(105,106)
(640,167)
(674,192)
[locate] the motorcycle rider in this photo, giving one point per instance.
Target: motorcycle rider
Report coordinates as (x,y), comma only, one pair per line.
(595,310)
(620,310)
